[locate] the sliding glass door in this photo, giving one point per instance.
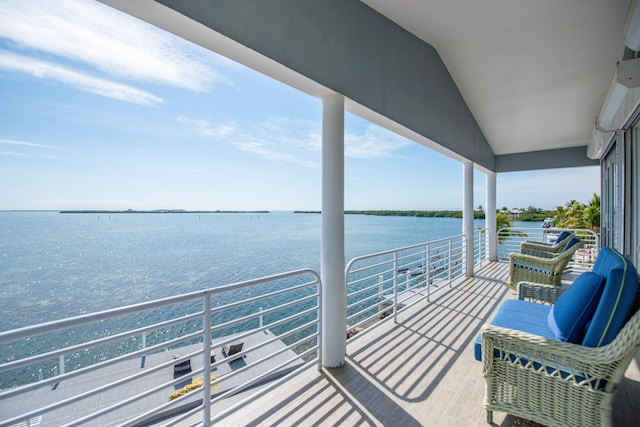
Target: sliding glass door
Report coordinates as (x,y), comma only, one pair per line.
(620,199)
(632,234)
(611,218)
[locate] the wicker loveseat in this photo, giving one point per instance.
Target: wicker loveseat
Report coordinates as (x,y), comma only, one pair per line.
(546,267)
(560,364)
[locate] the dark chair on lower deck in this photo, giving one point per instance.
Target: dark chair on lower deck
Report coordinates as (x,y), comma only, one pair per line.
(233,349)
(181,368)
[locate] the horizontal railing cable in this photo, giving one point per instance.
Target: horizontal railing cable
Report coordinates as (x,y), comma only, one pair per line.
(297,318)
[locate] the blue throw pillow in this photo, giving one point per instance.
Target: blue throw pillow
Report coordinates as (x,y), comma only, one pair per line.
(561,237)
(572,312)
(572,242)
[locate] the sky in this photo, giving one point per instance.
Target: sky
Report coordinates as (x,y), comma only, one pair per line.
(99,110)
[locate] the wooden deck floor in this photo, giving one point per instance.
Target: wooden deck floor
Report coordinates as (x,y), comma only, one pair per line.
(419,372)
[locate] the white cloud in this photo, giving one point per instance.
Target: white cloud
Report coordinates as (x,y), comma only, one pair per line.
(206,128)
(374,142)
(5,152)
(263,149)
(270,140)
(82,81)
(20,144)
(108,40)
(23,143)
(295,141)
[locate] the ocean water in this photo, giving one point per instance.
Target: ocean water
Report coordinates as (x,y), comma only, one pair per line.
(56,265)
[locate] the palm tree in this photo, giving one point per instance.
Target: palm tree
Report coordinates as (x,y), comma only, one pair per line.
(559,216)
(573,215)
(531,210)
(578,215)
(503,221)
(591,214)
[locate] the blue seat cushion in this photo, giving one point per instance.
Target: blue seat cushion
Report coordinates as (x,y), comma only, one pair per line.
(528,317)
(521,315)
(569,317)
(617,300)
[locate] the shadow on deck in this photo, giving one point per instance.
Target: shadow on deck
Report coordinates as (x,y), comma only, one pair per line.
(419,372)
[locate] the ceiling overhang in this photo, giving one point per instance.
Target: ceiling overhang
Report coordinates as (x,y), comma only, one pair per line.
(496,84)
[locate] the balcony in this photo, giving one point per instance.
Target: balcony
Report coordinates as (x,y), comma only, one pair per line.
(415,367)
(420,371)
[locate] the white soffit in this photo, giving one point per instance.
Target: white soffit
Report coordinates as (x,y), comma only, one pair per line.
(534,73)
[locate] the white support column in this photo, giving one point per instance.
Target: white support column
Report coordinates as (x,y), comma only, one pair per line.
(490,215)
(334,304)
(467,213)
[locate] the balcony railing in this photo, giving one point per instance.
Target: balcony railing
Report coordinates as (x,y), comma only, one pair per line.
(125,363)
(480,245)
(133,365)
(509,240)
(379,284)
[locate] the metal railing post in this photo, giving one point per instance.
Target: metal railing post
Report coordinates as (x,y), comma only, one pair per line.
(320,342)
(380,290)
(206,361)
(429,273)
(450,260)
(395,287)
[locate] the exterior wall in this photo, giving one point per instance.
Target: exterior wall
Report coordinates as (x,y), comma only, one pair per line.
(545,159)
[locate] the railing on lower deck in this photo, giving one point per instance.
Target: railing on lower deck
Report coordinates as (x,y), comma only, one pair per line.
(139,355)
(379,284)
(509,240)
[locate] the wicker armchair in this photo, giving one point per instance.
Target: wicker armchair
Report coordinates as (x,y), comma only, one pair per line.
(554,382)
(545,269)
(532,247)
(539,293)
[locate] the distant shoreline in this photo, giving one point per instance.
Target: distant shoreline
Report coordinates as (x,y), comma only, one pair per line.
(421,214)
(397,213)
(431,214)
(155,211)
